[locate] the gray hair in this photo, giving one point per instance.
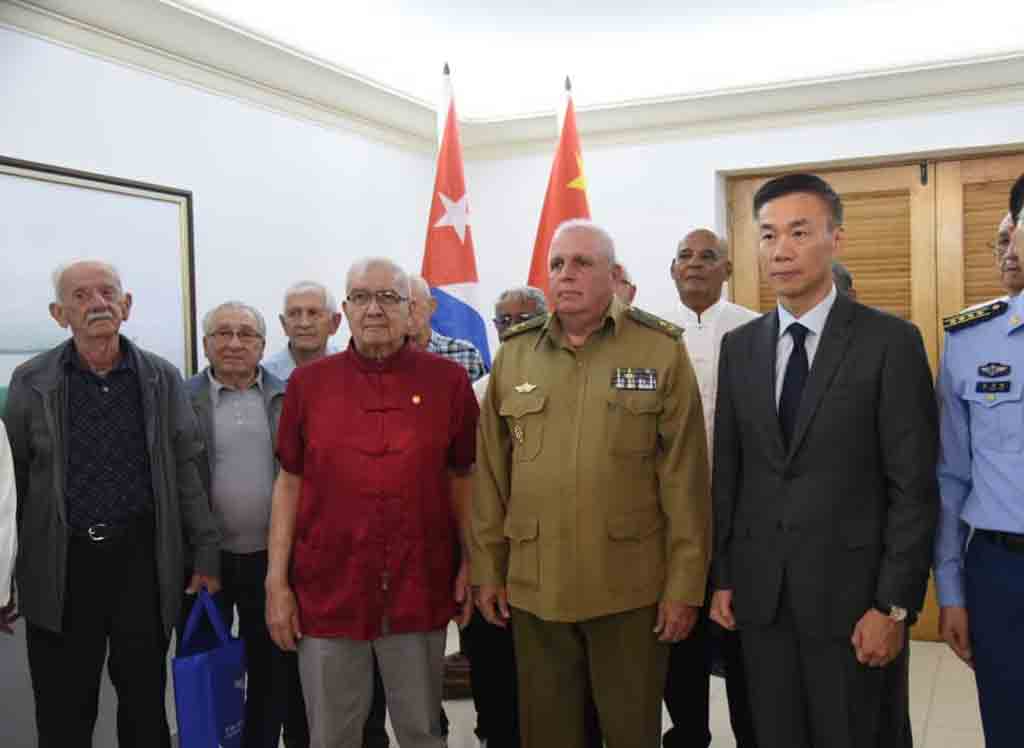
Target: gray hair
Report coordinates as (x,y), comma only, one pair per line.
(605,240)
(418,284)
(330,303)
(841,277)
(234,306)
(360,267)
(524,295)
(58,274)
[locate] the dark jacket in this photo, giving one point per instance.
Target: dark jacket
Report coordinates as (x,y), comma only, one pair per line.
(198,388)
(36,417)
(847,513)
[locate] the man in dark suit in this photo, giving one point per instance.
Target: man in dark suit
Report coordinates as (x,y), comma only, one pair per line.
(825,495)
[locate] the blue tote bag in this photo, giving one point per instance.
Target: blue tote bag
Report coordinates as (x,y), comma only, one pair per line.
(209,682)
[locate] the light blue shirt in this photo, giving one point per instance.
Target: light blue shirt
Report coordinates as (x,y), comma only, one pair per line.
(281,364)
(981,460)
(814,320)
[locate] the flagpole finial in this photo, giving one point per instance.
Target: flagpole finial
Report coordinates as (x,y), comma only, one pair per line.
(568,84)
(447,70)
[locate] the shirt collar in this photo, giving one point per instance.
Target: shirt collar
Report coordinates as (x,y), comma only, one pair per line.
(612,319)
(217,387)
(1015,317)
(398,360)
(690,317)
(437,342)
(814,319)
(71,360)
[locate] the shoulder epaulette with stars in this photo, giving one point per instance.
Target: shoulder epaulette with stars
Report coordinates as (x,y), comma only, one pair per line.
(531,324)
(970,317)
(655,323)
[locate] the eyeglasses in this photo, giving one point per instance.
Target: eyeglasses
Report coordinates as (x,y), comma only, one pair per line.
(1000,247)
(384,299)
(705,255)
(245,337)
(507,320)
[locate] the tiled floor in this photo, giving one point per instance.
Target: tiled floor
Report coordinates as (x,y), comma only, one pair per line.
(943,705)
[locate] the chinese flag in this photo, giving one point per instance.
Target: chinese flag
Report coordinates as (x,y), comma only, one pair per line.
(566,196)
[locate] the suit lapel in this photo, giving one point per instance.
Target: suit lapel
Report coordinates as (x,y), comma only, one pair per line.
(766,343)
(835,338)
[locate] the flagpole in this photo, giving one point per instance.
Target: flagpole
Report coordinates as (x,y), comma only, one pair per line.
(445,103)
(566,95)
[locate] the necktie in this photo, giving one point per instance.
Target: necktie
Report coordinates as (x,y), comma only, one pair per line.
(793,382)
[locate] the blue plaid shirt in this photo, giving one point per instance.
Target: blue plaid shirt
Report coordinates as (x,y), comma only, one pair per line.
(460,351)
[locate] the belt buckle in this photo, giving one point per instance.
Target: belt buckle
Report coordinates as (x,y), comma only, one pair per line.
(97,532)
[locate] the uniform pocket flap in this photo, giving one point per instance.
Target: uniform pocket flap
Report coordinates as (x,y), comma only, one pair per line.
(638,403)
(636,525)
(522,529)
(990,393)
(519,405)
(860,534)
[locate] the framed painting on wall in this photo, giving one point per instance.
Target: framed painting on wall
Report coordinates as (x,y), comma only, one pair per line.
(50,215)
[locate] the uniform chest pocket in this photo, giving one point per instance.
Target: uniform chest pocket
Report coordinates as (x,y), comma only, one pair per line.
(524,415)
(997,418)
(633,423)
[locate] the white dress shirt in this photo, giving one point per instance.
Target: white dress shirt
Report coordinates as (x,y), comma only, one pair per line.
(814,320)
(703,335)
(8,512)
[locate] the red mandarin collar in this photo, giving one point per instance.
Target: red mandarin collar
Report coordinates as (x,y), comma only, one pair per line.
(398,361)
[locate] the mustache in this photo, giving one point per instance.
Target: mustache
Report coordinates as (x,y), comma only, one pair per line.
(94,316)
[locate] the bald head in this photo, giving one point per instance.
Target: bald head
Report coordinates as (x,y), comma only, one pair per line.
(423,307)
(700,268)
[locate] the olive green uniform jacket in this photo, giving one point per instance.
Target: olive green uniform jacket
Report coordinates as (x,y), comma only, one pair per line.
(592,494)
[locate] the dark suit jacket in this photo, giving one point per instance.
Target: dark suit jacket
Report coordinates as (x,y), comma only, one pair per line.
(848,512)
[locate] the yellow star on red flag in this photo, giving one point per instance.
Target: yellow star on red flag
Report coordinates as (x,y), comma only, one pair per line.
(580,182)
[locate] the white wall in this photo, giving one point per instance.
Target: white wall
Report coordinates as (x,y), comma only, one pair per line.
(276,199)
(650,195)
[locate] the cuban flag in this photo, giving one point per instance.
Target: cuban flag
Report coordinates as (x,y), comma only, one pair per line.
(449,262)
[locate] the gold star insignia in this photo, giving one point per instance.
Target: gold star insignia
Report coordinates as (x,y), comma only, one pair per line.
(580,182)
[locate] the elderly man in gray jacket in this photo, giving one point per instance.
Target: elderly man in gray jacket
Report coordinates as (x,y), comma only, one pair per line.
(238,404)
(106,453)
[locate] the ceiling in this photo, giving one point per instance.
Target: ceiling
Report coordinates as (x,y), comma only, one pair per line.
(509,59)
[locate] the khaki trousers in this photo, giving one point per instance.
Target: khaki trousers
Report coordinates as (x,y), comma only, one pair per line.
(337,681)
(621,658)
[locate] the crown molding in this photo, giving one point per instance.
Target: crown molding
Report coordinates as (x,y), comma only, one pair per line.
(180,44)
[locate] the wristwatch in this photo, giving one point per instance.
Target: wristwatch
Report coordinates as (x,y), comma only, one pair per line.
(894,612)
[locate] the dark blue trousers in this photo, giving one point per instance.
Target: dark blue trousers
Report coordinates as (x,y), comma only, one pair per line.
(994,587)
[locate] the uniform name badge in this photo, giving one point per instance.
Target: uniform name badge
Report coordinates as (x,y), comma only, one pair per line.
(629,378)
(992,387)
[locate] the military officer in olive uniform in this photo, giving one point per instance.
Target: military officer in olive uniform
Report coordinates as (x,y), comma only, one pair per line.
(979,549)
(591,514)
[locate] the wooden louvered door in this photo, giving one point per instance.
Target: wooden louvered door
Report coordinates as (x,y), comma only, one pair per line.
(888,245)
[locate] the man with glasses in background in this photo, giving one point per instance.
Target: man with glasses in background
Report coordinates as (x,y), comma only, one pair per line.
(376,447)
(238,405)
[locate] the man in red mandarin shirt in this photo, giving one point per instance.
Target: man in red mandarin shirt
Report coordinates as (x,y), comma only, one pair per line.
(376,448)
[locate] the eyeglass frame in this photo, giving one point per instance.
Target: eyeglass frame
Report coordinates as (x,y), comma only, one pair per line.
(387,302)
(245,337)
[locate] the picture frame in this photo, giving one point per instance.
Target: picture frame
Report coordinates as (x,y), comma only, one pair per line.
(50,215)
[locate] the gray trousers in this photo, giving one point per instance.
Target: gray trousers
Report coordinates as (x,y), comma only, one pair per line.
(337,680)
